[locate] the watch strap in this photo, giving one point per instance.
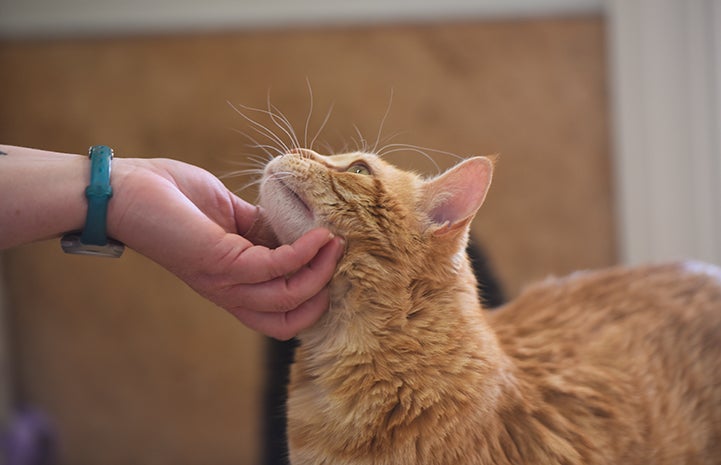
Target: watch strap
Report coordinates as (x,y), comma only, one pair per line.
(98,194)
(93,239)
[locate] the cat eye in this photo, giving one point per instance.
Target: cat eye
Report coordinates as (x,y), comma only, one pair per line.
(359,168)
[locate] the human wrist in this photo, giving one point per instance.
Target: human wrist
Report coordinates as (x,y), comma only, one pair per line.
(131,179)
(123,168)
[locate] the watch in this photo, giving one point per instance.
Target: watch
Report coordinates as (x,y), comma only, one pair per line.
(93,239)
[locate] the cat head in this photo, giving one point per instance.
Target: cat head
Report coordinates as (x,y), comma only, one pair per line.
(368,201)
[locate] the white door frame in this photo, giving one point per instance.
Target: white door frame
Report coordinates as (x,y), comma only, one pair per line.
(665,62)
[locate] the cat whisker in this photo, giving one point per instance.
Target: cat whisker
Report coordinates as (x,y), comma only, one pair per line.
(279,146)
(283,146)
(249,161)
(404,148)
(322,125)
(329,150)
(310,112)
(269,150)
(386,142)
(391,148)
(260,128)
(248,185)
(255,174)
(241,173)
(383,121)
(259,161)
(418,148)
(278,117)
(281,175)
(252,165)
(361,144)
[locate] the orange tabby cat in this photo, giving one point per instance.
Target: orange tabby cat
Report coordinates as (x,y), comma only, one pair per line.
(612,367)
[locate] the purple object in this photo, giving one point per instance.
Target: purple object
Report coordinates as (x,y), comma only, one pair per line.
(28,440)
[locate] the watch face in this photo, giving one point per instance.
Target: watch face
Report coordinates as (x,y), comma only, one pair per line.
(71,244)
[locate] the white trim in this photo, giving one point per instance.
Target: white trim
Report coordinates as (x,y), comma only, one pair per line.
(22,18)
(665,62)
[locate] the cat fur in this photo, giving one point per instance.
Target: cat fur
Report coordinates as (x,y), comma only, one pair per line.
(620,366)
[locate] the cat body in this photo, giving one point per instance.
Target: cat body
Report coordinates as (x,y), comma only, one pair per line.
(612,367)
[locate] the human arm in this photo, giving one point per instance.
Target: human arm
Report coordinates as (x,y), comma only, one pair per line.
(183,218)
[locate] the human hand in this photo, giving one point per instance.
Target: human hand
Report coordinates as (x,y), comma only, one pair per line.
(183,218)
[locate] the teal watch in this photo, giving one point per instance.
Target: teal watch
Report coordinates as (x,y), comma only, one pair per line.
(93,239)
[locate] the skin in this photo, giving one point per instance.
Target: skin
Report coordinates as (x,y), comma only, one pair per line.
(183,218)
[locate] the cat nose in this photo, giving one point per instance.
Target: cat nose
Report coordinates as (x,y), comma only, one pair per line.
(305,153)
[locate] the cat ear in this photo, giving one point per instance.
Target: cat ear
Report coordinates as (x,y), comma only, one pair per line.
(452,199)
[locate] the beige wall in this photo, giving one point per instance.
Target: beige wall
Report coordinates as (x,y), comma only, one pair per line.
(134,367)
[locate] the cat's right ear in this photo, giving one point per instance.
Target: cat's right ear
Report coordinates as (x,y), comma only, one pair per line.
(452,199)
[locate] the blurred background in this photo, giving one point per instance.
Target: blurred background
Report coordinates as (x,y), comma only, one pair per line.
(605,113)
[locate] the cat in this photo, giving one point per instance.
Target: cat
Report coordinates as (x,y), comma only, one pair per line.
(619,366)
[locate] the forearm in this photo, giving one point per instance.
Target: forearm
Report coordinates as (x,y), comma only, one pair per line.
(41,194)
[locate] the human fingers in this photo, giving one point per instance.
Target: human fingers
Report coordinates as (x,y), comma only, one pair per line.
(285,325)
(284,293)
(259,264)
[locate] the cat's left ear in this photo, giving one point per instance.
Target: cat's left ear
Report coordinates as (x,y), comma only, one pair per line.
(452,199)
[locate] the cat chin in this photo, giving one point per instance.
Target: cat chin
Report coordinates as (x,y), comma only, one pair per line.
(288,221)
(290,235)
(288,215)
(288,225)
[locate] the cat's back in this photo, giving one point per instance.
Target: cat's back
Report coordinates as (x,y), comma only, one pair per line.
(639,347)
(617,302)
(603,296)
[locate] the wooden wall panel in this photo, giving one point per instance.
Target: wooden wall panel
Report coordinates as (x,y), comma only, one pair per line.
(136,369)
